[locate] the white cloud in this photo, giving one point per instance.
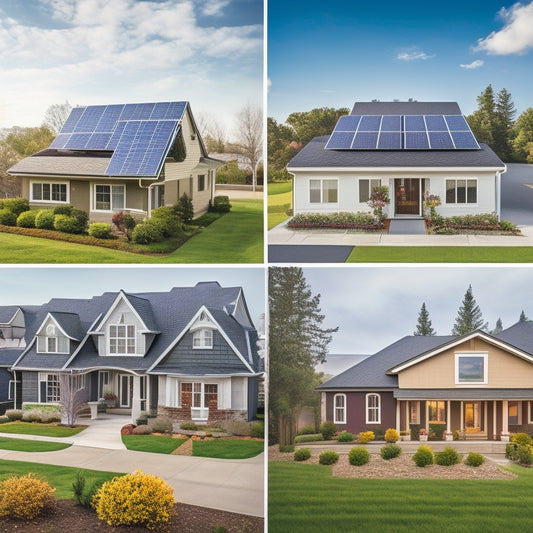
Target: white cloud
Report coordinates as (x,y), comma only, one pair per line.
(475,64)
(413,55)
(214,7)
(516,37)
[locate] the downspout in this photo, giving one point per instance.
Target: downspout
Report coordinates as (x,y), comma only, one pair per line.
(14,389)
(498,194)
(293,187)
(213,183)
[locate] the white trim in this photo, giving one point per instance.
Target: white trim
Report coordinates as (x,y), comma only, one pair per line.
(378,408)
(343,408)
(484,356)
(125,338)
(200,336)
(466,202)
(397,169)
(322,180)
(49,315)
(121,296)
(46,182)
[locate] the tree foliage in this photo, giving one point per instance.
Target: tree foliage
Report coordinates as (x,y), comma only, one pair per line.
(28,141)
(523,317)
(498,328)
(297,342)
(318,121)
(9,185)
(56,115)
(469,317)
(424,326)
(523,140)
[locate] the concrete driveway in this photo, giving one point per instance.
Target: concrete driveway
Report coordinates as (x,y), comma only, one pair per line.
(517,194)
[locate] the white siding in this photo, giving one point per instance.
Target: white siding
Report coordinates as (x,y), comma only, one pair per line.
(239,393)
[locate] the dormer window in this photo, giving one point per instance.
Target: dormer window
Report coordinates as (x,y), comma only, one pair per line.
(202,338)
(51,340)
(121,339)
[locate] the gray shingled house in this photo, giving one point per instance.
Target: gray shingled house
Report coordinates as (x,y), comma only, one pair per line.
(123,157)
(191,353)
(478,385)
(414,148)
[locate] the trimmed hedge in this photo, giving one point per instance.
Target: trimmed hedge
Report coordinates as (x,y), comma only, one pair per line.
(15,205)
(447,457)
(474,459)
(100,230)
(313,437)
(358,456)
(390,451)
(45,219)
(7,217)
(345,436)
(221,204)
(328,429)
(302,454)
(328,457)
(423,456)
(342,220)
(27,219)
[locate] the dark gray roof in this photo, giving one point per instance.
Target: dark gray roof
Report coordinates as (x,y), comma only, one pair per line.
(9,355)
(520,335)
(406,108)
(144,309)
(464,394)
(371,372)
(70,324)
(7,312)
(313,155)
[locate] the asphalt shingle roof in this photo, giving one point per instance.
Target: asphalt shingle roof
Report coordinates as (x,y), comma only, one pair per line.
(406,108)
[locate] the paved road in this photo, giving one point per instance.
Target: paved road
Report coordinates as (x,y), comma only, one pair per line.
(288,253)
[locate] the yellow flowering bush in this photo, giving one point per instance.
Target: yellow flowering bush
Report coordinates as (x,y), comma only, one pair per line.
(391,435)
(25,497)
(136,498)
(366,436)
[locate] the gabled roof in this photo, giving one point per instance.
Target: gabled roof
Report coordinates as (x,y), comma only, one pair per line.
(70,324)
(520,335)
(7,313)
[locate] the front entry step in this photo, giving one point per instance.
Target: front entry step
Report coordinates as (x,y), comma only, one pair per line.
(407,226)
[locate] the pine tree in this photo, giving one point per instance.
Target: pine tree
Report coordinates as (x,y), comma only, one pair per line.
(498,328)
(505,112)
(469,317)
(481,121)
(523,317)
(297,342)
(423,326)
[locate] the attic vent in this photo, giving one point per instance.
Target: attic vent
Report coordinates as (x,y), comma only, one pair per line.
(50,329)
(203,322)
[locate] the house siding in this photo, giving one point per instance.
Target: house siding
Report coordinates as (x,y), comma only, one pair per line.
(30,388)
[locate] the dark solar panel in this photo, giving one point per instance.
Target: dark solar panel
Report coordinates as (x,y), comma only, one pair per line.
(414,123)
(340,140)
(370,123)
(436,123)
(348,123)
(391,123)
(365,140)
(440,140)
(416,140)
(457,123)
(389,140)
(464,140)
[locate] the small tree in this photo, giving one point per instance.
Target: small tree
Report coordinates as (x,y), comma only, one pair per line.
(498,328)
(424,326)
(378,200)
(469,318)
(184,208)
(73,397)
(523,317)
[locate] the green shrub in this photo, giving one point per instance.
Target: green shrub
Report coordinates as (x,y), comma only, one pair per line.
(307,430)
(436,431)
(287,448)
(366,436)
(221,204)
(328,429)
(26,219)
(171,223)
(71,223)
(474,459)
(7,217)
(302,454)
(184,208)
(100,230)
(257,429)
(447,457)
(206,219)
(44,219)
(511,451)
(390,451)
(345,436)
(14,414)
(63,210)
(391,435)
(423,456)
(522,439)
(524,455)
(161,425)
(25,497)
(188,426)
(32,415)
(328,457)
(335,220)
(507,226)
(4,419)
(150,231)
(358,456)
(16,205)
(309,438)
(135,499)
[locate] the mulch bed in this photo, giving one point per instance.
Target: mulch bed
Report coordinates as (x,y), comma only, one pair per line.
(69,517)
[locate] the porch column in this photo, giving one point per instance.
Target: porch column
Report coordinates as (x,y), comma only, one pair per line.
(448,416)
(505,419)
(398,415)
(462,416)
(149,210)
(407,413)
(485,418)
(136,400)
(494,421)
(323,407)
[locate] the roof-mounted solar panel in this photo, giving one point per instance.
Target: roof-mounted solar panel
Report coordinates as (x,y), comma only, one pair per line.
(365,140)
(370,123)
(348,123)
(391,123)
(340,140)
(390,140)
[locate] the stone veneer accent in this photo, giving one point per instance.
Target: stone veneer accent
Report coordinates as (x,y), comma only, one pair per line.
(216,416)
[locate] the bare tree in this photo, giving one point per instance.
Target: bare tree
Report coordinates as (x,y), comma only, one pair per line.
(250,138)
(56,115)
(74,397)
(213,133)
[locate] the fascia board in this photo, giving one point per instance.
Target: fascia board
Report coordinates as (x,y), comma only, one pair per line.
(397,169)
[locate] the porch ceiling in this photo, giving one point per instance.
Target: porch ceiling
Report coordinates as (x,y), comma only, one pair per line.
(463,394)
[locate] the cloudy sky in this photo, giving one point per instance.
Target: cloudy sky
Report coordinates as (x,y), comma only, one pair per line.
(375,306)
(331,54)
(209,52)
(34,286)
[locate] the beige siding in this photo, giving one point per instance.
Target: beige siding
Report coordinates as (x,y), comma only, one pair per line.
(80,195)
(505,370)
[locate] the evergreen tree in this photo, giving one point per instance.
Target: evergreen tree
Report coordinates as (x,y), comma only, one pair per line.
(498,328)
(523,317)
(423,326)
(469,317)
(481,121)
(505,111)
(297,342)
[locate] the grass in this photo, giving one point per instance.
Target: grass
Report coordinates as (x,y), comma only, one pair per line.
(60,477)
(279,200)
(25,445)
(227,448)
(441,254)
(152,443)
(46,430)
(307,498)
(236,237)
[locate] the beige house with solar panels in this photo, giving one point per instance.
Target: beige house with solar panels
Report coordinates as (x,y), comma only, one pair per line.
(413,148)
(127,157)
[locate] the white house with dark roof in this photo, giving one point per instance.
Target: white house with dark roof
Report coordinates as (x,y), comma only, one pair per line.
(413,148)
(479,386)
(191,353)
(124,157)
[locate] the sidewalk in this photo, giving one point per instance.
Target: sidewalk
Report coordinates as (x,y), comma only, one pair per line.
(281,234)
(229,485)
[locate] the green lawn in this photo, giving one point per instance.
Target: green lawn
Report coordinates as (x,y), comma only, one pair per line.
(279,200)
(227,448)
(441,254)
(152,443)
(308,499)
(237,237)
(46,430)
(25,445)
(60,477)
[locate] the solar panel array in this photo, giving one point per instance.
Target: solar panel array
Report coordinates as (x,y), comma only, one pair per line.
(402,132)
(139,135)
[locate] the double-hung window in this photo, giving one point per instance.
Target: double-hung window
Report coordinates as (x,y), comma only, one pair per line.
(462,191)
(373,409)
(366,186)
(202,394)
(109,197)
(339,409)
(323,191)
(49,192)
(121,339)
(202,338)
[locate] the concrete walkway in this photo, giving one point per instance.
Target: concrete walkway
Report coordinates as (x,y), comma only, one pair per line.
(226,484)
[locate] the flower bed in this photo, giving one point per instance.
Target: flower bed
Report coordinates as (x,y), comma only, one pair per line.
(485,223)
(343,220)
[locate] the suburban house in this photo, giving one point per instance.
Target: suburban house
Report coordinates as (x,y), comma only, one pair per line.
(127,157)
(477,386)
(416,149)
(190,354)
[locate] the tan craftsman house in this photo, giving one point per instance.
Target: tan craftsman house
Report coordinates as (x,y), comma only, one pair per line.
(124,157)
(477,386)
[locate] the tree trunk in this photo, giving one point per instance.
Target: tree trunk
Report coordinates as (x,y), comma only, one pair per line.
(287,430)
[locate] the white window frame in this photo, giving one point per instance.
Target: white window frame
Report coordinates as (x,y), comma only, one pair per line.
(321,181)
(50,398)
(373,408)
(104,380)
(414,409)
(126,337)
(202,339)
(371,184)
(51,192)
(341,409)
(198,393)
(481,355)
(50,342)
(466,180)
(112,208)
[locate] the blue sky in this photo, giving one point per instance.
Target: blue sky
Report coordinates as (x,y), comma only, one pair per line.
(331,54)
(209,52)
(34,286)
